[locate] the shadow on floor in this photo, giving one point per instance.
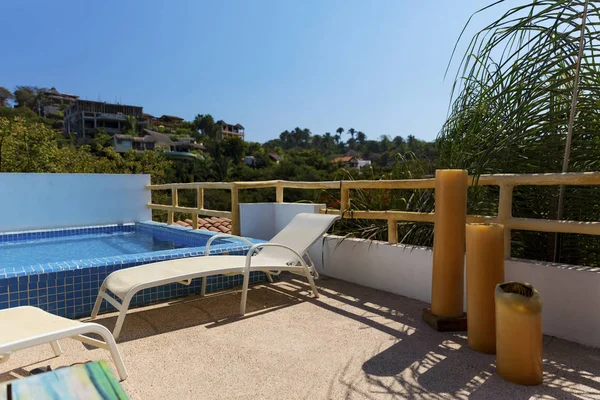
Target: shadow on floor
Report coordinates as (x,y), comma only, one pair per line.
(416,362)
(211,311)
(426,362)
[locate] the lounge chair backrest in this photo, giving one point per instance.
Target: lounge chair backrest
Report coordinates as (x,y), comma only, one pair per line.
(300,234)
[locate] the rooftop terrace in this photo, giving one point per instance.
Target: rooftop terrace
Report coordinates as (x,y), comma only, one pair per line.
(353,342)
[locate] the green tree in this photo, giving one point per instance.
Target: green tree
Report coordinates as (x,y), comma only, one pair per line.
(130,127)
(26,96)
(361,137)
(233,148)
(351,132)
(5,96)
(205,123)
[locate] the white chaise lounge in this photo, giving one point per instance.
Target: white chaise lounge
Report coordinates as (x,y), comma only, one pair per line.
(23,327)
(287,251)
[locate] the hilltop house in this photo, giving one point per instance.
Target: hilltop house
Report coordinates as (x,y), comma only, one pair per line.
(275,157)
(151,140)
(83,118)
(51,102)
(165,120)
(351,161)
(228,130)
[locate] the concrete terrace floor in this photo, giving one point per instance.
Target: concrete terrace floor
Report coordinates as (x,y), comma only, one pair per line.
(352,343)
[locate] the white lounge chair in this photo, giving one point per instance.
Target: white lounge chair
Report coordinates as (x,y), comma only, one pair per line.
(287,251)
(27,326)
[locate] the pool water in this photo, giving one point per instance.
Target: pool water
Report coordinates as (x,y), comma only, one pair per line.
(77,247)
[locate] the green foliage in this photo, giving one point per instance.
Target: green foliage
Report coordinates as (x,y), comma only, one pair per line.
(206,125)
(130,125)
(26,96)
(29,146)
(405,167)
(512,111)
(5,96)
(233,148)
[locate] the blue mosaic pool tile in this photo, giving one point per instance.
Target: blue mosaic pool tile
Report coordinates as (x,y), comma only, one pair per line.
(70,288)
(35,235)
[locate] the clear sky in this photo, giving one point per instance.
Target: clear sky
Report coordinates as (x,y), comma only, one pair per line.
(271,65)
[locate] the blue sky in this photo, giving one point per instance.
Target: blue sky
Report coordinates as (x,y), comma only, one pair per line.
(376,66)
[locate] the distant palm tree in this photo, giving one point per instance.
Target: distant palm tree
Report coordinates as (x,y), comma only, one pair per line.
(351,132)
(337,137)
(361,137)
(339,131)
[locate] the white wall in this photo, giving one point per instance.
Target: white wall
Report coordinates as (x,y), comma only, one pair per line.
(570,295)
(265,220)
(46,201)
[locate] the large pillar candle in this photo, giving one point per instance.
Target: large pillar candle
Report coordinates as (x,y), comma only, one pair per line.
(449,242)
(485,270)
(519,333)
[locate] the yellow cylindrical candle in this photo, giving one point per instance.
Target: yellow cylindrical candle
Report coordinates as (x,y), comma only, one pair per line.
(519,333)
(447,289)
(485,270)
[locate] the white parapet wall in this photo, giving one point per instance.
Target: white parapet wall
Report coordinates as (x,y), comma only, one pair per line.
(47,201)
(265,220)
(571,295)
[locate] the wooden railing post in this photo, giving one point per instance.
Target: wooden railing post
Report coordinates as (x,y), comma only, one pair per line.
(199,206)
(392,231)
(505,214)
(174,203)
(279,193)
(235,210)
(345,199)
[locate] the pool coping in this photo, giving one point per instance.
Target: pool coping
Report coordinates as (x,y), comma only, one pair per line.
(147,257)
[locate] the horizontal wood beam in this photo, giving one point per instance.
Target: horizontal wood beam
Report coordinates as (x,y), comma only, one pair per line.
(551,179)
(545,225)
(190,210)
(194,185)
(567,178)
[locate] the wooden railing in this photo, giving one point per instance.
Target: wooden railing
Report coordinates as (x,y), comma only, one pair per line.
(506,182)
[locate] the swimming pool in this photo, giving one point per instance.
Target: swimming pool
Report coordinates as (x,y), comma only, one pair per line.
(61,270)
(19,253)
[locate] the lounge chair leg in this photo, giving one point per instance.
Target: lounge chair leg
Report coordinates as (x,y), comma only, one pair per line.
(313,287)
(203,292)
(114,352)
(120,319)
(245,292)
(97,304)
(56,348)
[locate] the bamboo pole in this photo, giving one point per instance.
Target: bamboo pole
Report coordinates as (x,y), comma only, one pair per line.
(279,193)
(235,210)
(190,210)
(199,205)
(200,198)
(174,204)
(505,214)
(392,231)
(344,199)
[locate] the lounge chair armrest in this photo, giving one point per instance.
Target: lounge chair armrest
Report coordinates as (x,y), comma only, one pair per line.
(259,246)
(224,235)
